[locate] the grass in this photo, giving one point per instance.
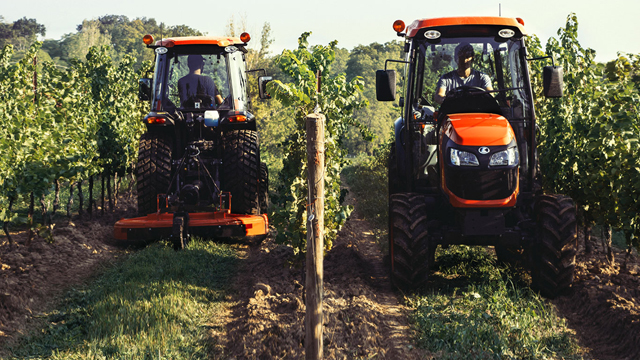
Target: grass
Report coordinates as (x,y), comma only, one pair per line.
(156,304)
(367,180)
(476,309)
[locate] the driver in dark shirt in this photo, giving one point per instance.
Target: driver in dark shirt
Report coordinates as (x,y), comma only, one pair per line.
(195,83)
(463,76)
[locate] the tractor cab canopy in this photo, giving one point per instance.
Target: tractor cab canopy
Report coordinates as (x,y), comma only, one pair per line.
(199,73)
(498,57)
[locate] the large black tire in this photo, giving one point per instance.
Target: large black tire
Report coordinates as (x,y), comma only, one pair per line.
(263,195)
(554,252)
(240,170)
(153,171)
(413,254)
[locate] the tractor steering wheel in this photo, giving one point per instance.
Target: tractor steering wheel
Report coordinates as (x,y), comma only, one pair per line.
(465,90)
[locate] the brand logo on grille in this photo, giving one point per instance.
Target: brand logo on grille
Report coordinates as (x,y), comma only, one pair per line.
(483,150)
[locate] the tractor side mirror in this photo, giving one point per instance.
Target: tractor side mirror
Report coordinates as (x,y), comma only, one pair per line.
(144,89)
(262,86)
(386,85)
(552,82)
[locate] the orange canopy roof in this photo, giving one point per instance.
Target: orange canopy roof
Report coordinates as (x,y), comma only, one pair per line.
(412,29)
(201,40)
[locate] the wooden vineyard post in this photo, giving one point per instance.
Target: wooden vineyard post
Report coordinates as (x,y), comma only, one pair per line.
(315,237)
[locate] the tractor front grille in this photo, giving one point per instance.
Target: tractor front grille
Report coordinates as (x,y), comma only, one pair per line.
(491,184)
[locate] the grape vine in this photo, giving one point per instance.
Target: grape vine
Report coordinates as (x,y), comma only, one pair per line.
(64,124)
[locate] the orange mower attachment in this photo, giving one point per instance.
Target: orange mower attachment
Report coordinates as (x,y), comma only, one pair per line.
(211,224)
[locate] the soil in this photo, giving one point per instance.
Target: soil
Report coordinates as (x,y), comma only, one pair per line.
(363,315)
(34,277)
(603,306)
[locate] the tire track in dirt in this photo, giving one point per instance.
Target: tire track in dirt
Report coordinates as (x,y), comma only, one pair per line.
(362,314)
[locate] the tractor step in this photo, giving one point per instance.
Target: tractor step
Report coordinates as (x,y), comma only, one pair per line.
(209,224)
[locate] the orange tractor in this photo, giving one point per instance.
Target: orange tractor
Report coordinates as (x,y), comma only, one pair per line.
(199,169)
(464,168)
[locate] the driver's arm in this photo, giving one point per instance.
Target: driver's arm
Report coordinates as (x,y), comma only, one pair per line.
(486,82)
(440,95)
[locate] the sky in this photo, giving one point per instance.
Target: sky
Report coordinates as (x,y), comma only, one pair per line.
(603,25)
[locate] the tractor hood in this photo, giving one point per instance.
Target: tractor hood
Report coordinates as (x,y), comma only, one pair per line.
(478,129)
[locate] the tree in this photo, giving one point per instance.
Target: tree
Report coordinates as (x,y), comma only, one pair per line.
(77,45)
(21,33)
(378,117)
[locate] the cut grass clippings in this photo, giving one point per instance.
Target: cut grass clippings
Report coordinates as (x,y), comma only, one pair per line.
(156,304)
(476,309)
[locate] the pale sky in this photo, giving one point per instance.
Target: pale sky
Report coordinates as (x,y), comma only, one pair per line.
(606,26)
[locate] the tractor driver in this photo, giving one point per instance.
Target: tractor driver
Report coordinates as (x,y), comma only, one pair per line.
(195,83)
(463,76)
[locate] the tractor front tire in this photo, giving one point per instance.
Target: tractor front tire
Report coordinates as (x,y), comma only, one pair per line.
(554,253)
(240,170)
(412,252)
(153,171)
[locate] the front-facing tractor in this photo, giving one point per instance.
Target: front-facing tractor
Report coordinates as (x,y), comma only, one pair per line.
(199,169)
(464,166)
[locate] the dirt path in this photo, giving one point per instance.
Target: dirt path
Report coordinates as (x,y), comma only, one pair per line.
(33,278)
(362,315)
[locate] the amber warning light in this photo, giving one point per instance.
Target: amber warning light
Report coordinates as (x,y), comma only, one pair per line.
(147,39)
(245,37)
(398,25)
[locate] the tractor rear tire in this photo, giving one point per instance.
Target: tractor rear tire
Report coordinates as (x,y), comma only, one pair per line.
(554,253)
(153,171)
(240,170)
(412,252)
(264,188)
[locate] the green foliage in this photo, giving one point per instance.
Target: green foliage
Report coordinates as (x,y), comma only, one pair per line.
(483,311)
(379,116)
(20,33)
(64,124)
(338,100)
(157,303)
(367,180)
(589,146)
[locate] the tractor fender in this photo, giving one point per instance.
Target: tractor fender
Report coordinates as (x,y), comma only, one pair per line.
(400,153)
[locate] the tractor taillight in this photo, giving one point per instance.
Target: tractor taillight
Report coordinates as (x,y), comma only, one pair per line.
(237,118)
(156,120)
(398,25)
(245,37)
(148,39)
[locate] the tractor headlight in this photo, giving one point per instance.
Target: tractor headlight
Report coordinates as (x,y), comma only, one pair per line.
(505,157)
(463,158)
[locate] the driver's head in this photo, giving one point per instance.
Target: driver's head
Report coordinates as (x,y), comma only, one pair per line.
(195,62)
(464,52)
